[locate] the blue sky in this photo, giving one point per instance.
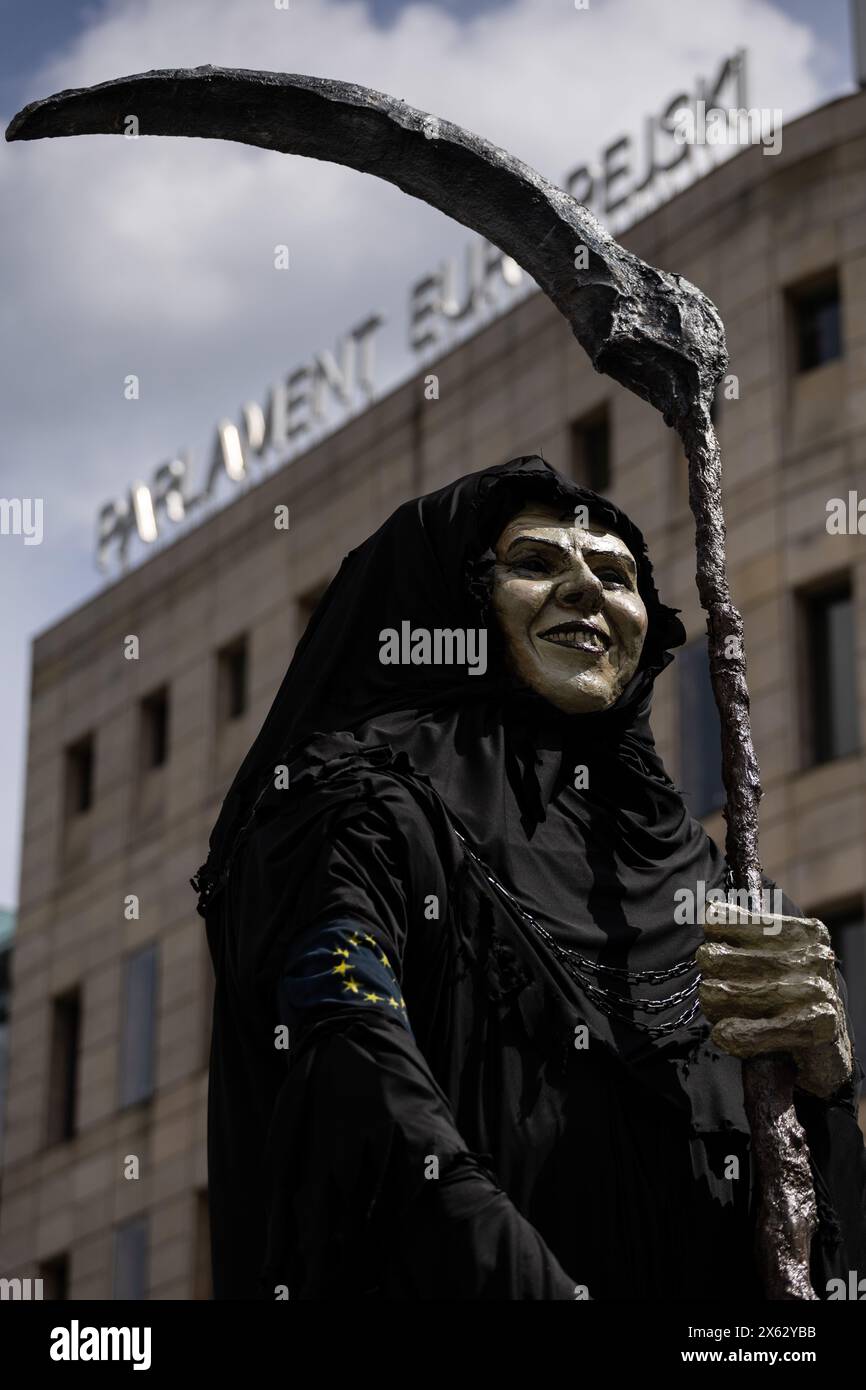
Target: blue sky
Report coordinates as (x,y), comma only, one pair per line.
(160,263)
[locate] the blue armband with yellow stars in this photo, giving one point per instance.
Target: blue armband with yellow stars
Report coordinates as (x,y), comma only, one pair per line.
(339,963)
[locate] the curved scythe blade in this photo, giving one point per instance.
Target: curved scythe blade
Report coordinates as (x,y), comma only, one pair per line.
(650,330)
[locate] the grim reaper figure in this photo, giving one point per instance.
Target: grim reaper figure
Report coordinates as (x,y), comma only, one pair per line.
(491,863)
(514,1063)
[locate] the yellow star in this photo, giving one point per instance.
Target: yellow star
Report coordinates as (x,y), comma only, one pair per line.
(385,961)
(340,969)
(371,939)
(374,998)
(402,1002)
(352,985)
(339,951)
(355,940)
(393,1003)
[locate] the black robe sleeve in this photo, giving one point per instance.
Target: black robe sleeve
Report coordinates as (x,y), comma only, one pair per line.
(371,1189)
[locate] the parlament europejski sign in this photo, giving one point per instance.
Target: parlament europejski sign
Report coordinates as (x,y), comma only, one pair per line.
(629,177)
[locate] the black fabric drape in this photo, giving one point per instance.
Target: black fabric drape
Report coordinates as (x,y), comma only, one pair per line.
(504,1124)
(430,564)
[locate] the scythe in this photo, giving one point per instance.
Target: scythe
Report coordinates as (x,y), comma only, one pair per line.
(650,330)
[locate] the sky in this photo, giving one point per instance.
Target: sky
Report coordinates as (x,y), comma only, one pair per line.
(156,257)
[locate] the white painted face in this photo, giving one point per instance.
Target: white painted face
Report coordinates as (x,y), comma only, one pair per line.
(567,601)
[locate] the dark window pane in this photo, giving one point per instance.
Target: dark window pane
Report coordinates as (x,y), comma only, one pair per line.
(202,1282)
(54,1274)
(79,776)
(130,1260)
(237,683)
(699,733)
(590,451)
(154,729)
(832,663)
(139,1027)
(232,678)
(817,325)
(848,935)
(5,994)
(63,1073)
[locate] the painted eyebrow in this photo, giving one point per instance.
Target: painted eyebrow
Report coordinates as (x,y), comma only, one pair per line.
(623,555)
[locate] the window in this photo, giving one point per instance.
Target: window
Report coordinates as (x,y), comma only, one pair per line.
(5,991)
(130,1260)
(154,729)
(202,1286)
(590,450)
(79,776)
(63,1066)
(817,322)
(832,673)
(699,732)
(232,680)
(139,1027)
(848,934)
(54,1274)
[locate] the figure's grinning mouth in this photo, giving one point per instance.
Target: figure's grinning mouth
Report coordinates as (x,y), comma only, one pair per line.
(582,636)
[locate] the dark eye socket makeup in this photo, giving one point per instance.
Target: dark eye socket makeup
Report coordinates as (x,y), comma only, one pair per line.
(538,555)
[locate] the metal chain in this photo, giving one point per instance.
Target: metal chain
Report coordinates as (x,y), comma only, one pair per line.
(604,999)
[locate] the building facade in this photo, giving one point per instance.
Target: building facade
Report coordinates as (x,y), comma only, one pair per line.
(7,933)
(144,700)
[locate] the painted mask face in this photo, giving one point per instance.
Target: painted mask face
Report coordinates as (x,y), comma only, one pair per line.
(567,601)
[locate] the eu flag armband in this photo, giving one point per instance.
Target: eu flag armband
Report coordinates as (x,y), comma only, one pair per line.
(340,965)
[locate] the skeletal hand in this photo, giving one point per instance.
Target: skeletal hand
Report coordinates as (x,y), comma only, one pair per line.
(769,985)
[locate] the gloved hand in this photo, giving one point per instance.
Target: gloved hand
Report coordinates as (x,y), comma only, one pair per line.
(769,985)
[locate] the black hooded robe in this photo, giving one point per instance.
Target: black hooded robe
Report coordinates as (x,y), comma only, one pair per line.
(497,1082)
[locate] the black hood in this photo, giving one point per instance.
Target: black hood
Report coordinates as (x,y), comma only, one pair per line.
(430,566)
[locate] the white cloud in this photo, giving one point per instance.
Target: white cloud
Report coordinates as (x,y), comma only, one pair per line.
(155,256)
